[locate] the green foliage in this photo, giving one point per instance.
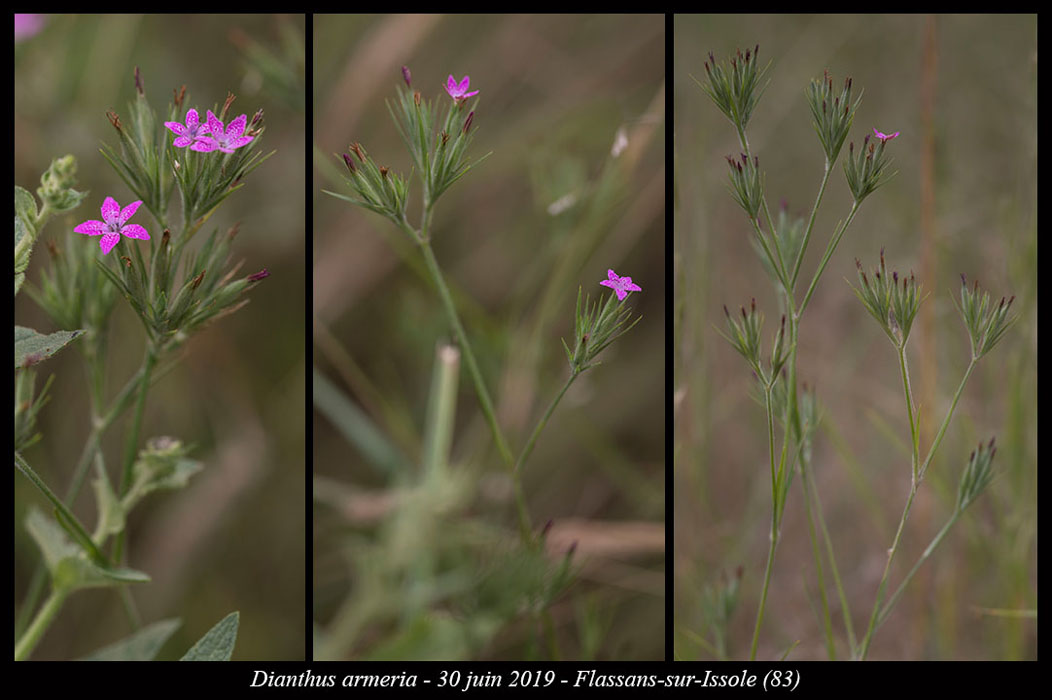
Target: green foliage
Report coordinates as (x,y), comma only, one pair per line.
(218,642)
(32,348)
(734,85)
(831,115)
(595,328)
(868,169)
(141,646)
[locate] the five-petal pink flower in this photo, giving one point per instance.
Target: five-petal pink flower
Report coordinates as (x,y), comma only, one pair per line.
(193,134)
(114,224)
(621,285)
(459,91)
(233,137)
(885,137)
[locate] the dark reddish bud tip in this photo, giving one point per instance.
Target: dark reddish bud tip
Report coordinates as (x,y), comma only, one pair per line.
(114,119)
(416,98)
(546,529)
(467,122)
(126,260)
(823,106)
(571,550)
(166,238)
(858,263)
(262,274)
(707,69)
(754,305)
(349,162)
(226,106)
(257,117)
(178,95)
(233,230)
(383,171)
(851,147)
(445,138)
(407,77)
(895,277)
(964,282)
(138,81)
(197,280)
(748,55)
(725,311)
(991,442)
(356,148)
(1011,300)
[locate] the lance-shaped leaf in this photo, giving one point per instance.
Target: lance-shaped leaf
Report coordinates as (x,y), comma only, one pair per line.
(218,642)
(32,347)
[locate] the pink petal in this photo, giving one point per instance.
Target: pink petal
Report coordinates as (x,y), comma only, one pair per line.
(204,144)
(92,228)
(177,128)
(182,141)
(108,241)
(128,211)
(192,119)
(110,210)
(612,276)
(135,231)
(470,94)
(239,141)
(451,85)
(214,125)
(621,294)
(236,127)
(463,87)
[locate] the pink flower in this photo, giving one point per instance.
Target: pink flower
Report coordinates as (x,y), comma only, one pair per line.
(621,285)
(113,225)
(232,138)
(194,134)
(28,25)
(885,137)
(459,91)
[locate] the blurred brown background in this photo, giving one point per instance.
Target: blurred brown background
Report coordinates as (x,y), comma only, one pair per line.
(554,91)
(963,92)
(234,539)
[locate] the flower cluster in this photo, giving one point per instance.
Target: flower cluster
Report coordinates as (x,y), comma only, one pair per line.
(893,305)
(734,86)
(745,337)
(831,114)
(595,327)
(986,323)
(867,170)
(209,136)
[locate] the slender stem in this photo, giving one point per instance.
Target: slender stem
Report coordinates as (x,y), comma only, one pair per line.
(810,225)
(834,241)
(886,610)
(914,427)
(469,354)
(132,445)
(40,624)
(543,421)
(763,595)
(774,524)
(946,421)
(809,476)
(887,569)
(826,618)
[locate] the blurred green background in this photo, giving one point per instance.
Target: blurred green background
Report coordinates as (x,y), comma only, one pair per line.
(963,92)
(554,91)
(234,539)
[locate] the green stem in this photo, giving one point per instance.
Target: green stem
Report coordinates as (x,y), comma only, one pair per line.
(774,524)
(469,354)
(946,421)
(830,248)
(810,225)
(763,595)
(40,624)
(542,422)
(886,610)
(132,445)
(914,427)
(884,579)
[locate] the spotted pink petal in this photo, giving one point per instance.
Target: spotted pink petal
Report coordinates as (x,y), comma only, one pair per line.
(192,119)
(108,241)
(451,84)
(178,129)
(214,125)
(92,228)
(110,210)
(135,231)
(128,211)
(204,144)
(463,87)
(236,127)
(239,141)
